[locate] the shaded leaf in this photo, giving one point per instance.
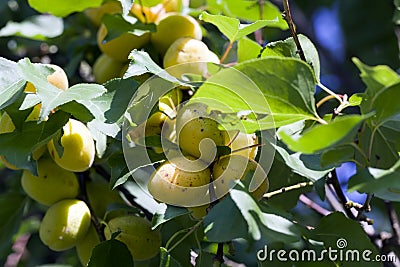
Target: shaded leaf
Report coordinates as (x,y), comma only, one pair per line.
(111,253)
(166,260)
(383,183)
(167,213)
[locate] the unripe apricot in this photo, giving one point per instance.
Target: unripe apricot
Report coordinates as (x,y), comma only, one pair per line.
(78,144)
(172,181)
(193,125)
(143,242)
(242,144)
(96,14)
(65,224)
(85,247)
(198,212)
(173,26)
(192,54)
(101,196)
(119,48)
(52,184)
(58,78)
(228,170)
(106,68)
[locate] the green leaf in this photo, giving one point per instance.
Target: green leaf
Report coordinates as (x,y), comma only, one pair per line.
(117,25)
(141,63)
(50,96)
(232,28)
(167,213)
(335,230)
(248,49)
(11,82)
(320,137)
(385,105)
(62,8)
(336,156)
(18,146)
(271,226)
(166,260)
(356,100)
(38,27)
(111,253)
(218,222)
(288,48)
(248,11)
(383,183)
(11,215)
(281,87)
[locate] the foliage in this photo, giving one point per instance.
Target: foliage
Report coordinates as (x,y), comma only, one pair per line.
(305,132)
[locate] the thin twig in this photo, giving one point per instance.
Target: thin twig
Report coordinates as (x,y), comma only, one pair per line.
(311,204)
(287,16)
(227,50)
(394,221)
(287,188)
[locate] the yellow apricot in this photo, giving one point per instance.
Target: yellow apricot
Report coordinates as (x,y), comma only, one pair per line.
(52,184)
(106,68)
(143,242)
(85,247)
(120,47)
(173,26)
(192,54)
(65,224)
(58,78)
(175,5)
(78,145)
(147,14)
(95,14)
(242,143)
(172,181)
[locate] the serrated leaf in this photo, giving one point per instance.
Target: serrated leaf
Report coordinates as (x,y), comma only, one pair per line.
(50,96)
(248,11)
(383,183)
(18,145)
(38,27)
(167,213)
(62,8)
(11,82)
(281,87)
(111,253)
(166,260)
(248,49)
(335,230)
(315,139)
(11,213)
(141,63)
(288,48)
(232,28)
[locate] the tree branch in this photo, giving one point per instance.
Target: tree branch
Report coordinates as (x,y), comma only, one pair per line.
(287,16)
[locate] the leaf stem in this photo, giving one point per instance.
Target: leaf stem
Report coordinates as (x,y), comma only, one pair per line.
(287,188)
(189,232)
(330,92)
(287,16)
(227,50)
(325,99)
